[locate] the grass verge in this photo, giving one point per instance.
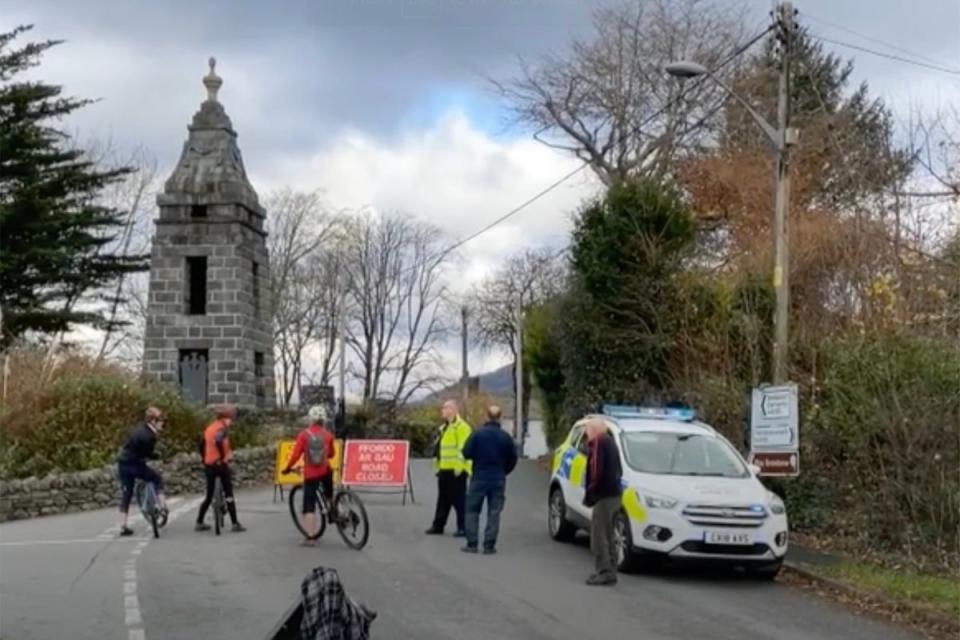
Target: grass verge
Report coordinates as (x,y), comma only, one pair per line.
(941,594)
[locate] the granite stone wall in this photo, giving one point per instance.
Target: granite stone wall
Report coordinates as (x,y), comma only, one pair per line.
(98,488)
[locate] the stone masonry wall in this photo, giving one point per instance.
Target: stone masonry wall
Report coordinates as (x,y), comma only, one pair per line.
(98,488)
(235,326)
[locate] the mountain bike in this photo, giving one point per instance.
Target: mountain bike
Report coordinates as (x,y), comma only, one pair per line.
(346,512)
(146,494)
(219,506)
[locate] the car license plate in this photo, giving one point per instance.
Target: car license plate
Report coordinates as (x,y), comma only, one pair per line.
(727,537)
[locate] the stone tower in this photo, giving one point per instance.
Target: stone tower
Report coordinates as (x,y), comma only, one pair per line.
(208,324)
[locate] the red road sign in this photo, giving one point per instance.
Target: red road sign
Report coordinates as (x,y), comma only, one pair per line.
(776,463)
(376,463)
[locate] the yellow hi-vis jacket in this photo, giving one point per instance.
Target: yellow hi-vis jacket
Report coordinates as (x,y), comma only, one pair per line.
(450,447)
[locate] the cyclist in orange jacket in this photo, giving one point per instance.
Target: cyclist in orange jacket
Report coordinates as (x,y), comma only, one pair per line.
(216,452)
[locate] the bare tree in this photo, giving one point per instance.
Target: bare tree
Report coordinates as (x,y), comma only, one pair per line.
(393,267)
(526,279)
(134,196)
(608,100)
(301,229)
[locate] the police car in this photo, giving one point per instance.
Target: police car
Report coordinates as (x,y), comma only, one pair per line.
(688,493)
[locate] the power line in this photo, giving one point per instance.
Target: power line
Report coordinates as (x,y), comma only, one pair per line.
(736,53)
(889,45)
(889,56)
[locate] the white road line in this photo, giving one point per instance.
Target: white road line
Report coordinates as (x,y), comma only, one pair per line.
(29,543)
(132,617)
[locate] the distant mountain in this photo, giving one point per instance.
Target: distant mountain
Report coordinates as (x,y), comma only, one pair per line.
(497,383)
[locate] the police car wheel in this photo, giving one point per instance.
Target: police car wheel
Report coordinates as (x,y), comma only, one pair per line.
(626,559)
(561,529)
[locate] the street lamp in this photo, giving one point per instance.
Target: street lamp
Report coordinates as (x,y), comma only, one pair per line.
(782,138)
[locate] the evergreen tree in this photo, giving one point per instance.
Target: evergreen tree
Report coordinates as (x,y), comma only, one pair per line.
(55,236)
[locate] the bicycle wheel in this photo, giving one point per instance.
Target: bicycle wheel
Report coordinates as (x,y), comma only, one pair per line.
(218,507)
(150,509)
(296,502)
(351,518)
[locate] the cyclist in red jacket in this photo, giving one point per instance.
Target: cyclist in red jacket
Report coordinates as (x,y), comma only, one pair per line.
(315,445)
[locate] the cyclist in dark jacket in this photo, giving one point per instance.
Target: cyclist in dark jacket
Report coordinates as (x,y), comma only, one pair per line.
(132,463)
(493,455)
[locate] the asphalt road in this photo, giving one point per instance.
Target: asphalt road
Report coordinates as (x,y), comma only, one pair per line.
(67,577)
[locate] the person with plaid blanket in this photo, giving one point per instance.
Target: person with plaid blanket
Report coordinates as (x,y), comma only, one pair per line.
(328,612)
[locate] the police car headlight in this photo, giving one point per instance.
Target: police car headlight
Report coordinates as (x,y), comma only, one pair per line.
(659,502)
(776,505)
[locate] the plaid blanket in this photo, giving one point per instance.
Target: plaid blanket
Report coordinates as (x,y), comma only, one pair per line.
(328,613)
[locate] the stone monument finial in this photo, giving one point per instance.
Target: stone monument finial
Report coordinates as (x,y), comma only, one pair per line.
(212,81)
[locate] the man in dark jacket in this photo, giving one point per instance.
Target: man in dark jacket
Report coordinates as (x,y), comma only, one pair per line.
(494,456)
(603,494)
(132,463)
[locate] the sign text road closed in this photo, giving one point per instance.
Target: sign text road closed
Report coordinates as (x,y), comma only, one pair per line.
(376,463)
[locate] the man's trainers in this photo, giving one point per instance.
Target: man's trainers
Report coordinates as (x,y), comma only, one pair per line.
(468,549)
(489,551)
(126,531)
(602,579)
(201,526)
(433,531)
(238,528)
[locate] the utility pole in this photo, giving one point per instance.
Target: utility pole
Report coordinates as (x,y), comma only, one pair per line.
(781,268)
(465,374)
(342,336)
(518,398)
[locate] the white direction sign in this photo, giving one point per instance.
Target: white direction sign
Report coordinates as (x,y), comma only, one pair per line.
(774,419)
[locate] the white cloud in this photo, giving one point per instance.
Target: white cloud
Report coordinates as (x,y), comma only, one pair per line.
(453,175)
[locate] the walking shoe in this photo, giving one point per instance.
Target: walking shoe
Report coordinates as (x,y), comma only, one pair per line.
(489,551)
(602,579)
(460,534)
(126,531)
(238,528)
(433,531)
(200,526)
(468,549)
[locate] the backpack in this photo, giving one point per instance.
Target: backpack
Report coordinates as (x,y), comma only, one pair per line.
(316,449)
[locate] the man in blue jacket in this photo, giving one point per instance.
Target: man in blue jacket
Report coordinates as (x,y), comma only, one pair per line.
(494,456)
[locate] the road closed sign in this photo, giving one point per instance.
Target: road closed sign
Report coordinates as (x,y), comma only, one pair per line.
(775,430)
(376,463)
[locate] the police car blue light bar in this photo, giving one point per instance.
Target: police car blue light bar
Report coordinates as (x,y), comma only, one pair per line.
(649,413)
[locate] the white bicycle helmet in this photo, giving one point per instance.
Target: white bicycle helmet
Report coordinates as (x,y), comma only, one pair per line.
(317,413)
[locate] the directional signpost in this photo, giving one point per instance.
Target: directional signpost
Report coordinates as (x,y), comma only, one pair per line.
(775,430)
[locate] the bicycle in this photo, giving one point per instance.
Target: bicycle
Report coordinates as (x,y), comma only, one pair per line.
(146,494)
(219,507)
(348,514)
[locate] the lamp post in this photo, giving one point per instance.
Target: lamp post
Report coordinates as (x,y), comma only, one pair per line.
(782,138)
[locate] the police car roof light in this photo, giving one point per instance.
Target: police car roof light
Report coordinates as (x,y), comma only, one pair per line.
(654,413)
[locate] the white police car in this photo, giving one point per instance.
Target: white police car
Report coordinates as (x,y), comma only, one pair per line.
(688,494)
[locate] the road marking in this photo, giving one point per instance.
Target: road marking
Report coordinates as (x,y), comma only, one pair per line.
(29,543)
(132,617)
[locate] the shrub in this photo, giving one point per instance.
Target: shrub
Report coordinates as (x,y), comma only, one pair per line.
(74,414)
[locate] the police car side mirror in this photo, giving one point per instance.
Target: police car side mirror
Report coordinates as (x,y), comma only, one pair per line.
(755,470)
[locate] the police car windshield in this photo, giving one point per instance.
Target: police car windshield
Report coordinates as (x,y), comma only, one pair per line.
(682,454)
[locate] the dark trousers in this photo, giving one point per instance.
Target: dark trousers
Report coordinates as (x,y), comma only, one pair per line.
(493,491)
(128,472)
(212,472)
(451,492)
(602,540)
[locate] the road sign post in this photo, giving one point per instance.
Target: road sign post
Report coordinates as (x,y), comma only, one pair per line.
(775,430)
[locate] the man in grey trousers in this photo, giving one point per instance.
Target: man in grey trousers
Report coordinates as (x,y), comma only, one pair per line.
(603,493)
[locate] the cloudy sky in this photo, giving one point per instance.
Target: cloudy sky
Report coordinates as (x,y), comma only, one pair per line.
(384,102)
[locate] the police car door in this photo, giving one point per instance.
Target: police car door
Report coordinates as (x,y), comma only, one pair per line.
(578,473)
